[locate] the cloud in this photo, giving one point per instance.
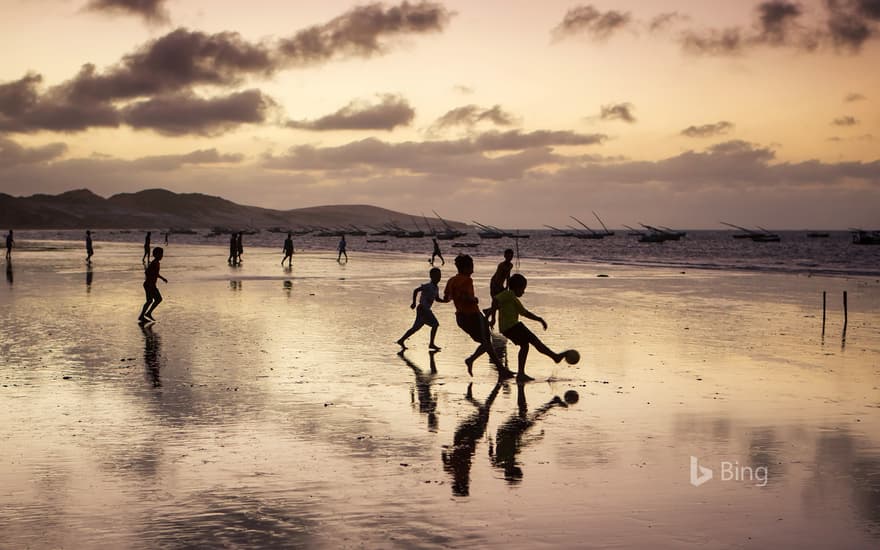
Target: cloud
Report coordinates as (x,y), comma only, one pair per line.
(617,111)
(848,25)
(186,113)
(24,109)
(776,19)
(152,11)
(361,32)
(845,121)
(462,89)
(713,41)
(854,96)
(851,23)
(708,130)
(391,111)
(591,22)
(460,158)
(181,60)
(663,21)
(471,115)
(173,162)
(13,154)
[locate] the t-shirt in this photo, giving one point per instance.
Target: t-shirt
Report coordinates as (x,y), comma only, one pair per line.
(8,241)
(461,289)
(509,309)
(496,284)
(88,244)
(429,293)
(288,245)
(152,273)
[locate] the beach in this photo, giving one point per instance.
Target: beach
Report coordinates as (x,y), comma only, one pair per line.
(270,408)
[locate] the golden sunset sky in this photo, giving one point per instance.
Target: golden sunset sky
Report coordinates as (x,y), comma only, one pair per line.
(513,113)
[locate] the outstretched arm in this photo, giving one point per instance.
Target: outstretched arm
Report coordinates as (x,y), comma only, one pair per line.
(529,315)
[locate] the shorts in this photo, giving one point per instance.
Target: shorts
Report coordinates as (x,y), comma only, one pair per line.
(424,317)
(519,334)
(152,292)
(474,324)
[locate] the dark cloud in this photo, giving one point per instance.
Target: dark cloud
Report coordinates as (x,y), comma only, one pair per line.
(24,109)
(13,154)
(471,115)
(665,20)
(854,96)
(708,130)
(187,113)
(845,121)
(848,25)
(178,62)
(361,32)
(173,162)
(590,21)
(775,19)
(851,23)
(391,111)
(515,139)
(153,11)
(618,111)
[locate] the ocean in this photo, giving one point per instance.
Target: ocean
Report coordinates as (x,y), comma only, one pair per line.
(794,253)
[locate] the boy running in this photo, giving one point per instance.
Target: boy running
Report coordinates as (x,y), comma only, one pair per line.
(154,298)
(460,289)
(424,316)
(288,251)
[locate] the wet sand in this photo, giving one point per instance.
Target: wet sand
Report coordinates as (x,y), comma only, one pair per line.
(270,409)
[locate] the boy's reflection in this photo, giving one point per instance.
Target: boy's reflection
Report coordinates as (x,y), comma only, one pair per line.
(9,275)
(89,278)
(152,354)
(509,438)
(427,399)
(458,461)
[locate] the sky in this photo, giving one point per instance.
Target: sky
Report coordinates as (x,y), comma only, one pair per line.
(512,113)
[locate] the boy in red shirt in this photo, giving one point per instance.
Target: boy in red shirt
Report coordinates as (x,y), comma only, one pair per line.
(468,317)
(154,298)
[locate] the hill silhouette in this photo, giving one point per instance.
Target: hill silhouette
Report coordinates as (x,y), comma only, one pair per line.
(162,208)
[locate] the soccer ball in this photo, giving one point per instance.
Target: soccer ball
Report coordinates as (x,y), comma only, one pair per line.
(572,356)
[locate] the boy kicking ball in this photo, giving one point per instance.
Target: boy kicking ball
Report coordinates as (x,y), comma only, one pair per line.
(509,309)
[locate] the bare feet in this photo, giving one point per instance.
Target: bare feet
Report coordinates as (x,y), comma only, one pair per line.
(403,346)
(504,374)
(558,357)
(470,366)
(434,347)
(523,377)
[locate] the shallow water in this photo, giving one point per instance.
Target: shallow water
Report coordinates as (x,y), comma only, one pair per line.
(269,408)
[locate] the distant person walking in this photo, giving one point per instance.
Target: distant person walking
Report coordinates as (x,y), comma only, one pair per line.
(424,316)
(341,248)
(10,242)
(460,289)
(166,237)
(89,249)
(146,257)
(288,250)
(437,253)
(499,281)
(233,249)
(510,308)
(240,246)
(154,297)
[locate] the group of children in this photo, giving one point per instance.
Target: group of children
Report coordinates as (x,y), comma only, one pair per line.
(506,291)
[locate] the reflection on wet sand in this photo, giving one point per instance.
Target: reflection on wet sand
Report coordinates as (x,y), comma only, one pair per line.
(152,355)
(9,276)
(89,277)
(457,462)
(427,398)
(509,439)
